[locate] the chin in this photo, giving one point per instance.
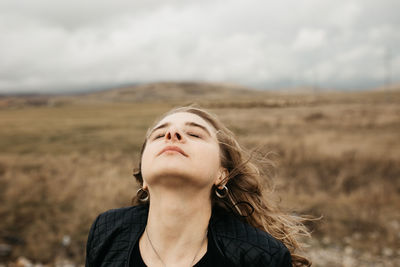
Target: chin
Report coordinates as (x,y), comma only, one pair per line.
(175,176)
(172,170)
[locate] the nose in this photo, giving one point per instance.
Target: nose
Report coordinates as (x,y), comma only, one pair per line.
(173,134)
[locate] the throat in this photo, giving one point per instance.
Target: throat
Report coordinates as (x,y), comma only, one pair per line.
(177,212)
(176,230)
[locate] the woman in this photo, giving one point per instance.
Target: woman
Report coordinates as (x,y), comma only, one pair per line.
(201,203)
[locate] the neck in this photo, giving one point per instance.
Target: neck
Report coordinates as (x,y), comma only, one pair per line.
(177,225)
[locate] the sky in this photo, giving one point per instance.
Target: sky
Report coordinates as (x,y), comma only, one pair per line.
(49,46)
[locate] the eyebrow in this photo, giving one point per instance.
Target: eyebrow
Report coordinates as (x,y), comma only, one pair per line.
(193,124)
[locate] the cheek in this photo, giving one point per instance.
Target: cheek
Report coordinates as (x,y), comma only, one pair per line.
(146,160)
(210,160)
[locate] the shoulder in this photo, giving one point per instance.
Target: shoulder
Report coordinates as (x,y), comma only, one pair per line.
(121,216)
(116,220)
(112,231)
(245,245)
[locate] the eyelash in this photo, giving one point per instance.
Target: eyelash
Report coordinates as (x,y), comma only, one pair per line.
(159,136)
(190,134)
(194,135)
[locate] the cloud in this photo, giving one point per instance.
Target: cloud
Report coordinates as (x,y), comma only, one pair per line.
(309,39)
(48,46)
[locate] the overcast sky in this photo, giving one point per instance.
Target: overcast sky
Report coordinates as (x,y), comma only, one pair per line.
(53,46)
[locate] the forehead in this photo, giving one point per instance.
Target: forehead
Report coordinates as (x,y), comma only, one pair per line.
(183,117)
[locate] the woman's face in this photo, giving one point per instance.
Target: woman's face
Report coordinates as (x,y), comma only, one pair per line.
(182,149)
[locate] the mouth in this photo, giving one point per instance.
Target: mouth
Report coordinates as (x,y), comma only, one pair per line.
(172,149)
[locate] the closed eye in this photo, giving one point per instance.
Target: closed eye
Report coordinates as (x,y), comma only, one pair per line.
(158,136)
(194,135)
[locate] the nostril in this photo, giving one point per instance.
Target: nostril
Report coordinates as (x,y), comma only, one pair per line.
(168,135)
(178,136)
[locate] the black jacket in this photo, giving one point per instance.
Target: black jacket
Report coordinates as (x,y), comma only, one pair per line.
(115,232)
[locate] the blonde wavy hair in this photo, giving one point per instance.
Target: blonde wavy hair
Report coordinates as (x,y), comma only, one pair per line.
(250,193)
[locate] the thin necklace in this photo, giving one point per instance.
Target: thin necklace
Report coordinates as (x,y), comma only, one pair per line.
(155,251)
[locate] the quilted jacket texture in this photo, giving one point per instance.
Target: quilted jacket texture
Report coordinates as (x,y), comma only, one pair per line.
(115,232)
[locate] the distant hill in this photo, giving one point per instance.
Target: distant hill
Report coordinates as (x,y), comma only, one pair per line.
(214,94)
(392,87)
(155,92)
(172,91)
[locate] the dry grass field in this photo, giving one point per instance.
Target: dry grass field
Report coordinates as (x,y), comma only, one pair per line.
(65,159)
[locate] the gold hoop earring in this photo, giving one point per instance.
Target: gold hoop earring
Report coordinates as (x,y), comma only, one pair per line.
(140,192)
(224,192)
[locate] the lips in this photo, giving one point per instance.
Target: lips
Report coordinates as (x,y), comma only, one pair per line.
(173,148)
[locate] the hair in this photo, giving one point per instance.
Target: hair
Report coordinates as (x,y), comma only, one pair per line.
(250,193)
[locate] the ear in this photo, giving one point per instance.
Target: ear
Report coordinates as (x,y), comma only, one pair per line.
(220,181)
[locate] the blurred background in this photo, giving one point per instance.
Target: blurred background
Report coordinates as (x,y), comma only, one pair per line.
(317,83)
